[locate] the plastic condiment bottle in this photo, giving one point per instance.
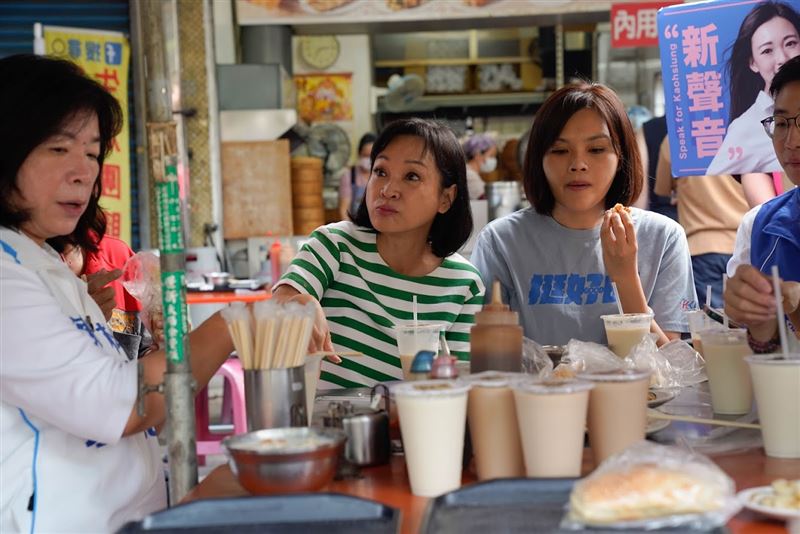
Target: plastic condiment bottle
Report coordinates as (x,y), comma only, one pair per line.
(275,260)
(496,338)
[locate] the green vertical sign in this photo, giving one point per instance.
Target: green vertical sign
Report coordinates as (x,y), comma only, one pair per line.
(175,325)
(170,235)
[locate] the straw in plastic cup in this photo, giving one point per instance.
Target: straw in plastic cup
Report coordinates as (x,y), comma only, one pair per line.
(433,417)
(776,286)
(617,410)
(625,331)
(698,321)
(776,381)
(414,338)
(493,427)
(728,377)
(552,419)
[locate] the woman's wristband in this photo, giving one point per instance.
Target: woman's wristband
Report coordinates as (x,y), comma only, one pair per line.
(763,347)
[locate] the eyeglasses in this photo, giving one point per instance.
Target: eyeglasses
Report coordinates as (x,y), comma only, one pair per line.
(777,127)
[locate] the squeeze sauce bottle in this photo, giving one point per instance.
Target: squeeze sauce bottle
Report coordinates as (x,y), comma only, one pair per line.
(496,338)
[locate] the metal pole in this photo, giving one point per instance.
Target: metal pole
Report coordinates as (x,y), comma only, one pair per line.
(163,154)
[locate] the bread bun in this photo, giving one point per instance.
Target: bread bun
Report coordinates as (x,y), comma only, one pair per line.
(642,492)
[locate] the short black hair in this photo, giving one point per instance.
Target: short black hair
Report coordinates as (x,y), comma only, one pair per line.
(450,230)
(788,73)
(550,121)
(38,95)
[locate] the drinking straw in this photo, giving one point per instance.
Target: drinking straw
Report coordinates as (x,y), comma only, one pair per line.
(776,286)
(708,296)
(616,297)
(414,308)
(724,287)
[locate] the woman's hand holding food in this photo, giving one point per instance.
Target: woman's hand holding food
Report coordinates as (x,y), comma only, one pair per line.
(618,240)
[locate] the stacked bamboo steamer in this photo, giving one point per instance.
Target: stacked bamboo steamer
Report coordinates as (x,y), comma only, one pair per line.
(308,208)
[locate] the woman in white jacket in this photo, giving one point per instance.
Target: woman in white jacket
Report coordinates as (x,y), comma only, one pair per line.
(75,454)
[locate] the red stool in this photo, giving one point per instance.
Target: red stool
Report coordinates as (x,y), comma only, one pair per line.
(233,410)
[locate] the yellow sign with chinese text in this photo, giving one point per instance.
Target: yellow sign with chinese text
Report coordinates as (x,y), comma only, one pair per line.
(105,57)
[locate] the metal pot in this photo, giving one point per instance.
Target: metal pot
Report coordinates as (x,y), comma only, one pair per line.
(217,279)
(367,431)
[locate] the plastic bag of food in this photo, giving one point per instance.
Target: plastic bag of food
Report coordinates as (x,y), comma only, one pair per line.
(650,486)
(584,356)
(141,277)
(535,360)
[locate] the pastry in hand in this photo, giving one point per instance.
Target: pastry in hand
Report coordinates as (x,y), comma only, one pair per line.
(643,491)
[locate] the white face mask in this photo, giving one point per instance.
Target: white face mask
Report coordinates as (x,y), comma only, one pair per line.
(489,165)
(364,164)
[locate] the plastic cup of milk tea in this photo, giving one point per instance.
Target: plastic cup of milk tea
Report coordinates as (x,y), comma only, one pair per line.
(413,338)
(776,383)
(493,427)
(552,422)
(724,351)
(617,410)
(433,418)
(625,331)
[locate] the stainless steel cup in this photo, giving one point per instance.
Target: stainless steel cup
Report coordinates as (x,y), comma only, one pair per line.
(275,398)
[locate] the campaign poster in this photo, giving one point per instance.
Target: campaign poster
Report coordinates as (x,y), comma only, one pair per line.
(718,59)
(104,56)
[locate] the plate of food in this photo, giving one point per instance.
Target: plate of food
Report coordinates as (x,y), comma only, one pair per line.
(780,500)
(657,397)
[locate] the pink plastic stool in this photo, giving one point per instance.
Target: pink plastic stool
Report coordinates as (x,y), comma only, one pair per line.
(233,409)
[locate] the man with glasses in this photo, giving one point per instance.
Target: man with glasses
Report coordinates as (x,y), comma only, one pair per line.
(770,234)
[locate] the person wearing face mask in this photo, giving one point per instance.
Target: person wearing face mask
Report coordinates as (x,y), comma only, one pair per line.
(481,153)
(363,275)
(353,181)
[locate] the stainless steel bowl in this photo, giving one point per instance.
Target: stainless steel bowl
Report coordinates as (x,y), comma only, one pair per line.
(217,279)
(285,460)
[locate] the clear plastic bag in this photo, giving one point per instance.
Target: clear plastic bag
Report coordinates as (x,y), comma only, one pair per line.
(142,278)
(535,360)
(650,486)
(674,365)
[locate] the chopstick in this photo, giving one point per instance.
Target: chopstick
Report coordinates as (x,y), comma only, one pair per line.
(655,414)
(337,353)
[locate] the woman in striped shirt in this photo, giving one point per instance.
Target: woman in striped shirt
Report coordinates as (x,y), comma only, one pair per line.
(402,242)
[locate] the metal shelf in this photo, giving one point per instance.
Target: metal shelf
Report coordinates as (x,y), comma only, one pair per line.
(432,102)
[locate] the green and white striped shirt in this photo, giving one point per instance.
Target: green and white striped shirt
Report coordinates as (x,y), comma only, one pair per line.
(363,298)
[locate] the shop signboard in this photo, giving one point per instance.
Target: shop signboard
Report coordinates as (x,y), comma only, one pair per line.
(104,56)
(716,79)
(635,24)
(282,12)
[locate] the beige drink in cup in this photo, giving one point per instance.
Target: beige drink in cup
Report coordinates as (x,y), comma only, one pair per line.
(617,410)
(552,420)
(625,331)
(776,382)
(493,426)
(413,338)
(433,417)
(728,376)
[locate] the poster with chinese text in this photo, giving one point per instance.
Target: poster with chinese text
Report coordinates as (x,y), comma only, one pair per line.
(634,25)
(324,97)
(104,56)
(718,59)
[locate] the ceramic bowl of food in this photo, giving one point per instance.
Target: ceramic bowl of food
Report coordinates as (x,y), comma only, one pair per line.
(285,460)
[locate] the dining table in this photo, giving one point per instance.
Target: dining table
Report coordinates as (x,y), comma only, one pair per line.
(388,484)
(738,452)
